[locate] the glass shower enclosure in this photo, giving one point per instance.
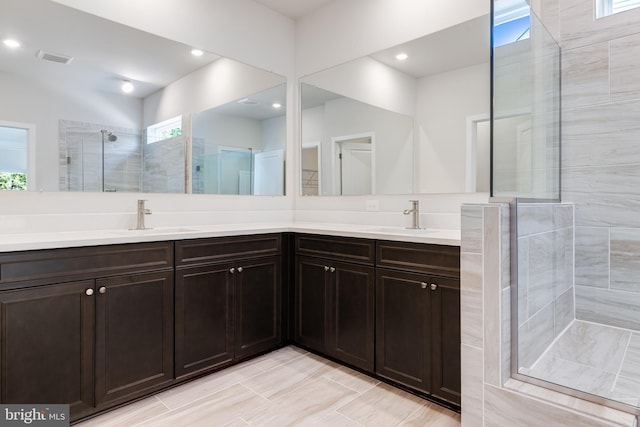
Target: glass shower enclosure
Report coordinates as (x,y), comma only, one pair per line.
(99,159)
(575,322)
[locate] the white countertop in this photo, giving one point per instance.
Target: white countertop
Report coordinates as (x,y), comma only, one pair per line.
(32,241)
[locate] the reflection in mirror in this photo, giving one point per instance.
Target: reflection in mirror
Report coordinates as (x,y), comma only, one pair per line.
(110,106)
(17,171)
(238,147)
(526,102)
(355,135)
(427,115)
(310,164)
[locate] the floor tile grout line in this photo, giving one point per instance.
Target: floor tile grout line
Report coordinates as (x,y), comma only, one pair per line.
(422,405)
(624,356)
(360,393)
(319,374)
(157,397)
(204,396)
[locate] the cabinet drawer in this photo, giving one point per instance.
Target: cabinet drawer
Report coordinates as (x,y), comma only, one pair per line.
(419,257)
(204,251)
(339,248)
(86,262)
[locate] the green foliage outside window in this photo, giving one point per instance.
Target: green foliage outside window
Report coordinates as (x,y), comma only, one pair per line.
(13,181)
(166,134)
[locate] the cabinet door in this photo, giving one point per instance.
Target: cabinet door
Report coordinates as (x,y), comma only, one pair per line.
(134,335)
(257,306)
(204,318)
(310,302)
(351,314)
(445,302)
(403,331)
(46,345)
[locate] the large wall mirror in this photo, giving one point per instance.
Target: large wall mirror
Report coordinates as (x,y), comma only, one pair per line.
(411,119)
(92,105)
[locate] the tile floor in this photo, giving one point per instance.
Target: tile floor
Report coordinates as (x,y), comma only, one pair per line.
(288,387)
(594,358)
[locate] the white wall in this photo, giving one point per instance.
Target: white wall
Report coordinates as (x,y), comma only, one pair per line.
(228,131)
(371,82)
(220,82)
(444,102)
(393,141)
(274,133)
(232,131)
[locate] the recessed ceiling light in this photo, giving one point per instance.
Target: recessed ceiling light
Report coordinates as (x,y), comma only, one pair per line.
(127,86)
(197,52)
(11,43)
(276,105)
(401,56)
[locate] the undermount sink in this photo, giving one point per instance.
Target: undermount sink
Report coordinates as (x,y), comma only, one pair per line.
(400,230)
(156,231)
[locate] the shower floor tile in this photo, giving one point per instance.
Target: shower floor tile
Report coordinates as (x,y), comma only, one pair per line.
(595,359)
(631,364)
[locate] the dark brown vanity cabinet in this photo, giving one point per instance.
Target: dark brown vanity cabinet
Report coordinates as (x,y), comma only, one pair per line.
(46,347)
(96,327)
(334,298)
(418,317)
(134,335)
(228,300)
(61,310)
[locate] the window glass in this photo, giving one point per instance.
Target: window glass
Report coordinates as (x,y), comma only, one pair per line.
(13,158)
(610,7)
(164,130)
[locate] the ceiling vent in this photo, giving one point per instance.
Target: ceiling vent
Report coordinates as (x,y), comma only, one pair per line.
(53,57)
(248,101)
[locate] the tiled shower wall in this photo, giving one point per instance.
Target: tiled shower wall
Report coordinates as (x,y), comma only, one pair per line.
(601,158)
(489,397)
(81,158)
(164,166)
(545,276)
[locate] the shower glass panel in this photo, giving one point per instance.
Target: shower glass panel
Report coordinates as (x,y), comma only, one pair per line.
(526,105)
(95,158)
(575,304)
(227,172)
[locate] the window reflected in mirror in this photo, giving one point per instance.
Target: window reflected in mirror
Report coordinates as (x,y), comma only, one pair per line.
(14,141)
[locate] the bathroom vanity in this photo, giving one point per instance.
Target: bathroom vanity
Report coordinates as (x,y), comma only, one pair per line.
(100,325)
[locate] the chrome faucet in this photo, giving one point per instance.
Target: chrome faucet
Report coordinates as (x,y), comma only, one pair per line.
(415,210)
(142,211)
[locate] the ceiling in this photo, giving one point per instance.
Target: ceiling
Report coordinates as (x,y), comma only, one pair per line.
(294,9)
(455,47)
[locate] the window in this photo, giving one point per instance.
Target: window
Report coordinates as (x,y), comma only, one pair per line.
(164,130)
(14,143)
(611,7)
(511,22)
